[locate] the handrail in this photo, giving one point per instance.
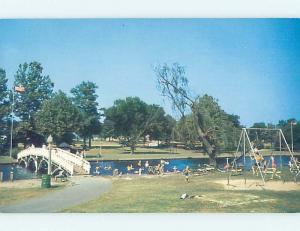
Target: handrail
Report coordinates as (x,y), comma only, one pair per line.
(45,153)
(60,157)
(77,160)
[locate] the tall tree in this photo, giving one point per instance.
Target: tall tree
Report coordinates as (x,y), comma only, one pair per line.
(132,119)
(38,88)
(174,85)
(108,130)
(4,110)
(161,127)
(85,98)
(59,117)
(288,127)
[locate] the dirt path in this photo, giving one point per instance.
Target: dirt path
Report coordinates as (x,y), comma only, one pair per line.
(81,189)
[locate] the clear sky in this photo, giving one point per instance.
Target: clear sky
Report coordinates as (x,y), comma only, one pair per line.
(252,66)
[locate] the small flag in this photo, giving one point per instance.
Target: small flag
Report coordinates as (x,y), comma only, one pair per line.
(20,89)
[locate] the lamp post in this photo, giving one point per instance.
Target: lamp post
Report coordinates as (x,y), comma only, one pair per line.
(292,135)
(12,122)
(49,141)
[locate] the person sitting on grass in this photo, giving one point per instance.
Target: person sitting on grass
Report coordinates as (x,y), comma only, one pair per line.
(186,173)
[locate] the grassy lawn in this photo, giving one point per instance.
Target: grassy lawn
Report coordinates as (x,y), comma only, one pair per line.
(10,194)
(6,160)
(114,151)
(161,194)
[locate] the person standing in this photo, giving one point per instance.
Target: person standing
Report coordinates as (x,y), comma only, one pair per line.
(273,164)
(186,173)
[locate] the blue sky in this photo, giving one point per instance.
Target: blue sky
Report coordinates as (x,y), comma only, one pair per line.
(252,66)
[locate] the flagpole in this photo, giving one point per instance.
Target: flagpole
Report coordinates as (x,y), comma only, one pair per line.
(12,121)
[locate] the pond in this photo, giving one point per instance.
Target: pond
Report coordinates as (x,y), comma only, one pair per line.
(19,173)
(107,167)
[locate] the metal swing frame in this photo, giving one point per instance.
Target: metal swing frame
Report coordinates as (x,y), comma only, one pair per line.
(244,137)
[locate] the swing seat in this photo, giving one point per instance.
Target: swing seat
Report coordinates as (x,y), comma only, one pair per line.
(236,172)
(273,172)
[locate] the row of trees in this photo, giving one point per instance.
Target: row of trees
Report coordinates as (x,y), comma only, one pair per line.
(132,119)
(39,112)
(270,139)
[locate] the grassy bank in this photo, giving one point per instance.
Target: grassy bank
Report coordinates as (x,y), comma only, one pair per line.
(22,190)
(162,193)
(7,160)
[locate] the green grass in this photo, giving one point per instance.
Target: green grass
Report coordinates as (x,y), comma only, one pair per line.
(114,151)
(15,195)
(161,194)
(6,160)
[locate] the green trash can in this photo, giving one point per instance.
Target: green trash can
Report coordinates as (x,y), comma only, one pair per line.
(46,181)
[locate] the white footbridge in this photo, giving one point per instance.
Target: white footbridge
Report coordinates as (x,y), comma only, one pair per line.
(61,160)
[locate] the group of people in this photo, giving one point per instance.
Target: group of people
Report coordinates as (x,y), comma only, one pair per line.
(139,168)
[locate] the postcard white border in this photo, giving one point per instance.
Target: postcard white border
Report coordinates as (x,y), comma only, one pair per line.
(148,9)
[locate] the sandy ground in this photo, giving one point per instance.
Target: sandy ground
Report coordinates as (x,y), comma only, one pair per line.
(258,185)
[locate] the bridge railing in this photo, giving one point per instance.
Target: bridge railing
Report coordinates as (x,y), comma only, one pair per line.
(42,152)
(74,159)
(60,157)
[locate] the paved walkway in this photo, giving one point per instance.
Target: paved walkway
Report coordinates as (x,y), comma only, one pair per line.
(81,190)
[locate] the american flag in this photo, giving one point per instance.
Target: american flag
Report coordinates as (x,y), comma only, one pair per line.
(19,89)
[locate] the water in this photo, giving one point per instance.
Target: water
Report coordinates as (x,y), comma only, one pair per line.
(19,173)
(107,167)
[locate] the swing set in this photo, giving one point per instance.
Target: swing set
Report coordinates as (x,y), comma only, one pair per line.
(257,157)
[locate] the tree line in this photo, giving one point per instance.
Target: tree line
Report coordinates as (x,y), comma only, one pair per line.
(40,111)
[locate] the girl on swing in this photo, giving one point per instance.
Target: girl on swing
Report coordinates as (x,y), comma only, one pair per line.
(258,161)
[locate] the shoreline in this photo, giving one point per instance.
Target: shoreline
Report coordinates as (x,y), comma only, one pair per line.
(201,156)
(178,156)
